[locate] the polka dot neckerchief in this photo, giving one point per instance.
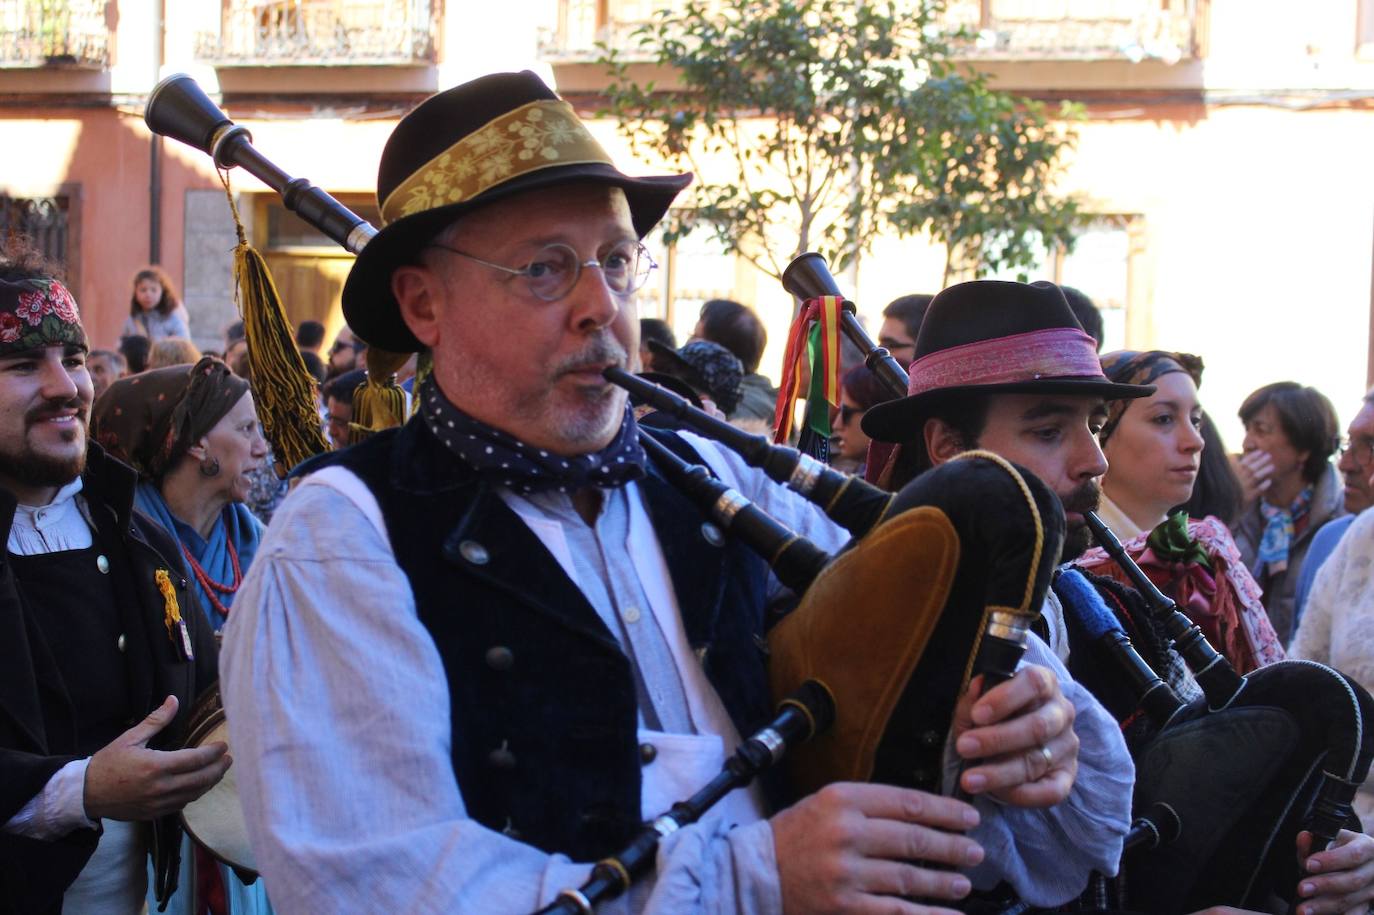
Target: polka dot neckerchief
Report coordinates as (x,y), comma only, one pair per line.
(504,460)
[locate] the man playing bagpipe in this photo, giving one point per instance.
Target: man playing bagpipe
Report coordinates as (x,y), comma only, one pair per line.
(481,648)
(1006,368)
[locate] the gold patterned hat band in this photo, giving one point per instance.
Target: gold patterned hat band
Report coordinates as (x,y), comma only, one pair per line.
(533,137)
(490,138)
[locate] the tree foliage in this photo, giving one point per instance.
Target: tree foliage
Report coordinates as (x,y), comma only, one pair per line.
(821,124)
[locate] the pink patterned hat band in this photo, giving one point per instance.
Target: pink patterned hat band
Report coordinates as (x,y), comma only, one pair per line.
(37,313)
(1055,352)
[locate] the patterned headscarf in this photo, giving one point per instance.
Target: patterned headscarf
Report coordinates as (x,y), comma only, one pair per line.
(150,420)
(35,313)
(1131,367)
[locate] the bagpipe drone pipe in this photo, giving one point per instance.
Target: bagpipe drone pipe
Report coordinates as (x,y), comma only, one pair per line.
(1244,769)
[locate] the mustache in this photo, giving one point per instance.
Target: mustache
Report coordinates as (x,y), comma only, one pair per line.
(51,408)
(1085,498)
(602,348)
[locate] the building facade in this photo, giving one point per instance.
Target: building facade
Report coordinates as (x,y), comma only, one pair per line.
(1221,160)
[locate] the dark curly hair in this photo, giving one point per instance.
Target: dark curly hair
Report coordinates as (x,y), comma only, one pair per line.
(20,259)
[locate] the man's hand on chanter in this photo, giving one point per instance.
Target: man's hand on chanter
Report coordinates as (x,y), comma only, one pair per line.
(127,781)
(859,848)
(1339,879)
(1020,735)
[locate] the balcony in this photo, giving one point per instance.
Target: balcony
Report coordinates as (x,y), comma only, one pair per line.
(994,30)
(1077,30)
(50,33)
(314,33)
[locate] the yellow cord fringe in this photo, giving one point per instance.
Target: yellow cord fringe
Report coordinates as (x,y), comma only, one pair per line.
(284,391)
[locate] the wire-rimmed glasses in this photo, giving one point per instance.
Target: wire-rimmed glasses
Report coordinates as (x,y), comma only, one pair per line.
(555,269)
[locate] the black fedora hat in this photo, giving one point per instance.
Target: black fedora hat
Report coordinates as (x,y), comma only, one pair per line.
(994,337)
(479,142)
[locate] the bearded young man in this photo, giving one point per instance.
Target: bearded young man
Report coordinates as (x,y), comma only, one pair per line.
(1005,367)
(483,647)
(97,667)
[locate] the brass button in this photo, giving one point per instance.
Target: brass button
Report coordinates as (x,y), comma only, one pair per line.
(103,565)
(122,643)
(499,657)
(712,534)
(474,552)
(647,753)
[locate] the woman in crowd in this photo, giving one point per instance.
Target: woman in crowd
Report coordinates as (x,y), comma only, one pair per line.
(860,389)
(192,433)
(155,311)
(1154,449)
(1291,488)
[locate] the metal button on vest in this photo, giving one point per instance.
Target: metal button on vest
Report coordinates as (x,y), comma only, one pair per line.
(122,643)
(631,614)
(499,657)
(103,565)
(474,552)
(647,753)
(501,758)
(712,534)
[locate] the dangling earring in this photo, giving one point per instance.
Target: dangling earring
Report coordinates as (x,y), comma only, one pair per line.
(209,468)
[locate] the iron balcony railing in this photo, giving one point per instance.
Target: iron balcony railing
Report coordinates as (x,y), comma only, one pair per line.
(45,33)
(254,33)
(1135,30)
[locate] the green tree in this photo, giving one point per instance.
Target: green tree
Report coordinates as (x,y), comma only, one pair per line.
(821,124)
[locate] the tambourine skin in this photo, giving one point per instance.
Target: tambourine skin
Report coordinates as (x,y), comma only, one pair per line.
(893,625)
(215,820)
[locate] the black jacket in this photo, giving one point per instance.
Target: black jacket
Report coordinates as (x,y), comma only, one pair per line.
(37,727)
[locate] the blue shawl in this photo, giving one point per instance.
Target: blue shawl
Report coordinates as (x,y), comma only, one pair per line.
(235,525)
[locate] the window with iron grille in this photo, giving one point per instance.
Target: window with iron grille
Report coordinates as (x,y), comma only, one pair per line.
(46,222)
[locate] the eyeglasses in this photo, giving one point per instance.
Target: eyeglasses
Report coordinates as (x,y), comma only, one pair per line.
(554,271)
(847,413)
(1361,449)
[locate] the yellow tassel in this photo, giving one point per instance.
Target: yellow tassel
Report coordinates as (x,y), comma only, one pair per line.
(283,389)
(379,402)
(424,367)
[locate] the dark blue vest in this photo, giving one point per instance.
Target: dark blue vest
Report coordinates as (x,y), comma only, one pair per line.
(542,698)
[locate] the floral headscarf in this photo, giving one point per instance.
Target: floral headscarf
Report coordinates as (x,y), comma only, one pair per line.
(35,313)
(1131,367)
(150,420)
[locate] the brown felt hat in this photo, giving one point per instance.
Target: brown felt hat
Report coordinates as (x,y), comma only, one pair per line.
(473,144)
